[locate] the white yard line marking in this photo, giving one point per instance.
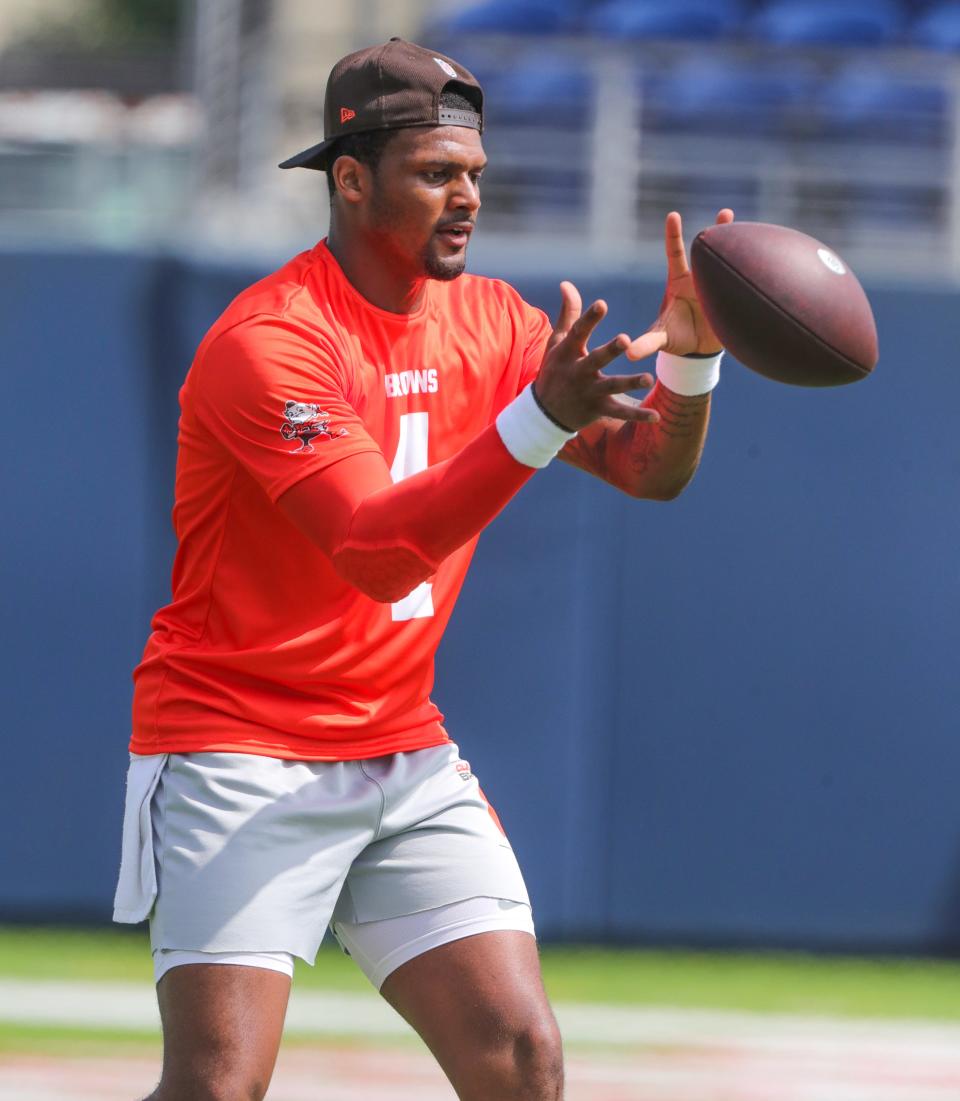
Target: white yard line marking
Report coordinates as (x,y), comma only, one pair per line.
(638,1054)
(133,1007)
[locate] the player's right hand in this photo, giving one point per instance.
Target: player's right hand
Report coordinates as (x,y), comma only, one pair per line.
(571,385)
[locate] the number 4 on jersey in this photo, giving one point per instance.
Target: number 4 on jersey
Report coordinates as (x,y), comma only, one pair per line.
(411,458)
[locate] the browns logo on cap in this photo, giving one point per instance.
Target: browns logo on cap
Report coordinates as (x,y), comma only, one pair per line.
(388,87)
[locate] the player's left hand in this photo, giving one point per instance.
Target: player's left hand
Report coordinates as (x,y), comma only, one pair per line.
(680,327)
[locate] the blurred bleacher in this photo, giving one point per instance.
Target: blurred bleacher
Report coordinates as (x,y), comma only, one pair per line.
(835,116)
(839,117)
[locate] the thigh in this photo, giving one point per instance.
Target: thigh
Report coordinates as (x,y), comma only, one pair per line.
(439,842)
(222,1025)
(251,852)
(472,996)
(380,947)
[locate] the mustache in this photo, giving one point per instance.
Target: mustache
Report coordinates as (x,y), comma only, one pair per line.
(456,222)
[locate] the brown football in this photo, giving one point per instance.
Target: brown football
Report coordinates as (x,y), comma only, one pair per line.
(783,304)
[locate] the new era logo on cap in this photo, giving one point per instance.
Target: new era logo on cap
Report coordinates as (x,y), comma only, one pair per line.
(346,115)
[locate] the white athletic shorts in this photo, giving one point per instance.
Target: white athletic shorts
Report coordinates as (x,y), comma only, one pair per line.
(238,856)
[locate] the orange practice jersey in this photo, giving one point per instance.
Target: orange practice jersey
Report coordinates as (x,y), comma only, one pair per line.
(264,647)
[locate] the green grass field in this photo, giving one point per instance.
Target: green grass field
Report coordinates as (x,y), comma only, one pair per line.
(774,982)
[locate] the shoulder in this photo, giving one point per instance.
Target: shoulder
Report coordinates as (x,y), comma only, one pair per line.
(260,349)
(275,296)
(275,318)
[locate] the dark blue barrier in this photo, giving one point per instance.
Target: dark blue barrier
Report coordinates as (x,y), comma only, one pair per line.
(730,718)
(77,463)
(733,718)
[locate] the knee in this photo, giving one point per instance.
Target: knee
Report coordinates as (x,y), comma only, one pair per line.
(537,1056)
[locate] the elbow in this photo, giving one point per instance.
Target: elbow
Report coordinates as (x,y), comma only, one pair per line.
(669,492)
(385,575)
(673,480)
(665,489)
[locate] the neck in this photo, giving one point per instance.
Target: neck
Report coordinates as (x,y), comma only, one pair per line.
(374,274)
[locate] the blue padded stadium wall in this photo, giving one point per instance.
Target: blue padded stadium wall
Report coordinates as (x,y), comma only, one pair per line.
(726,719)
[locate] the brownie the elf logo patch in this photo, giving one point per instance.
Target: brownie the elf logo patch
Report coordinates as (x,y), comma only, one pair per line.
(305,421)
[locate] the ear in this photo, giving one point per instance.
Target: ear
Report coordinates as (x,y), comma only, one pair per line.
(352,179)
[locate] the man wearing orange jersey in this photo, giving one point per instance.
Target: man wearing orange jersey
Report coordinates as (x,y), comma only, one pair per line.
(349,426)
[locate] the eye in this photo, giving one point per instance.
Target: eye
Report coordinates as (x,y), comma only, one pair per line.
(436,176)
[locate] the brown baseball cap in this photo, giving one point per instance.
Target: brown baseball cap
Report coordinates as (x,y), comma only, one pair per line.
(387,87)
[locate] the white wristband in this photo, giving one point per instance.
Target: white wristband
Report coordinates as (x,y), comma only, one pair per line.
(687,376)
(528,433)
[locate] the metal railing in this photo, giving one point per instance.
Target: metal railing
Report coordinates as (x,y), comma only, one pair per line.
(589,145)
(880,182)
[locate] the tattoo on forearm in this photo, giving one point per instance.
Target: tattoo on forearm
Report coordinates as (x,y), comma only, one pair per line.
(630,454)
(589,455)
(641,447)
(679,419)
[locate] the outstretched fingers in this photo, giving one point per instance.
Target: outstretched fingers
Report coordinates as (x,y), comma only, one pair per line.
(622,384)
(605,355)
(572,386)
(571,306)
(646,344)
(582,328)
(677,266)
(602,357)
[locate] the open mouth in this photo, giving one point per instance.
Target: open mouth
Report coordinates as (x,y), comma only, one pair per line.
(456,235)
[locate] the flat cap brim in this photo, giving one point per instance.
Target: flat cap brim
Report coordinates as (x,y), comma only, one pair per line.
(314,157)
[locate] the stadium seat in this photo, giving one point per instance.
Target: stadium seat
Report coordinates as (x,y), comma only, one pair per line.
(725,97)
(548,90)
(697,199)
(638,19)
(939,27)
(534,97)
(861,103)
(829,22)
(861,209)
(511,17)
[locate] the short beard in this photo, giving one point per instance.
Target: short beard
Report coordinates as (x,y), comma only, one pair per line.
(445,270)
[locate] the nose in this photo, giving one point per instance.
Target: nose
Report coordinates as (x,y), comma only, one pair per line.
(467,195)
